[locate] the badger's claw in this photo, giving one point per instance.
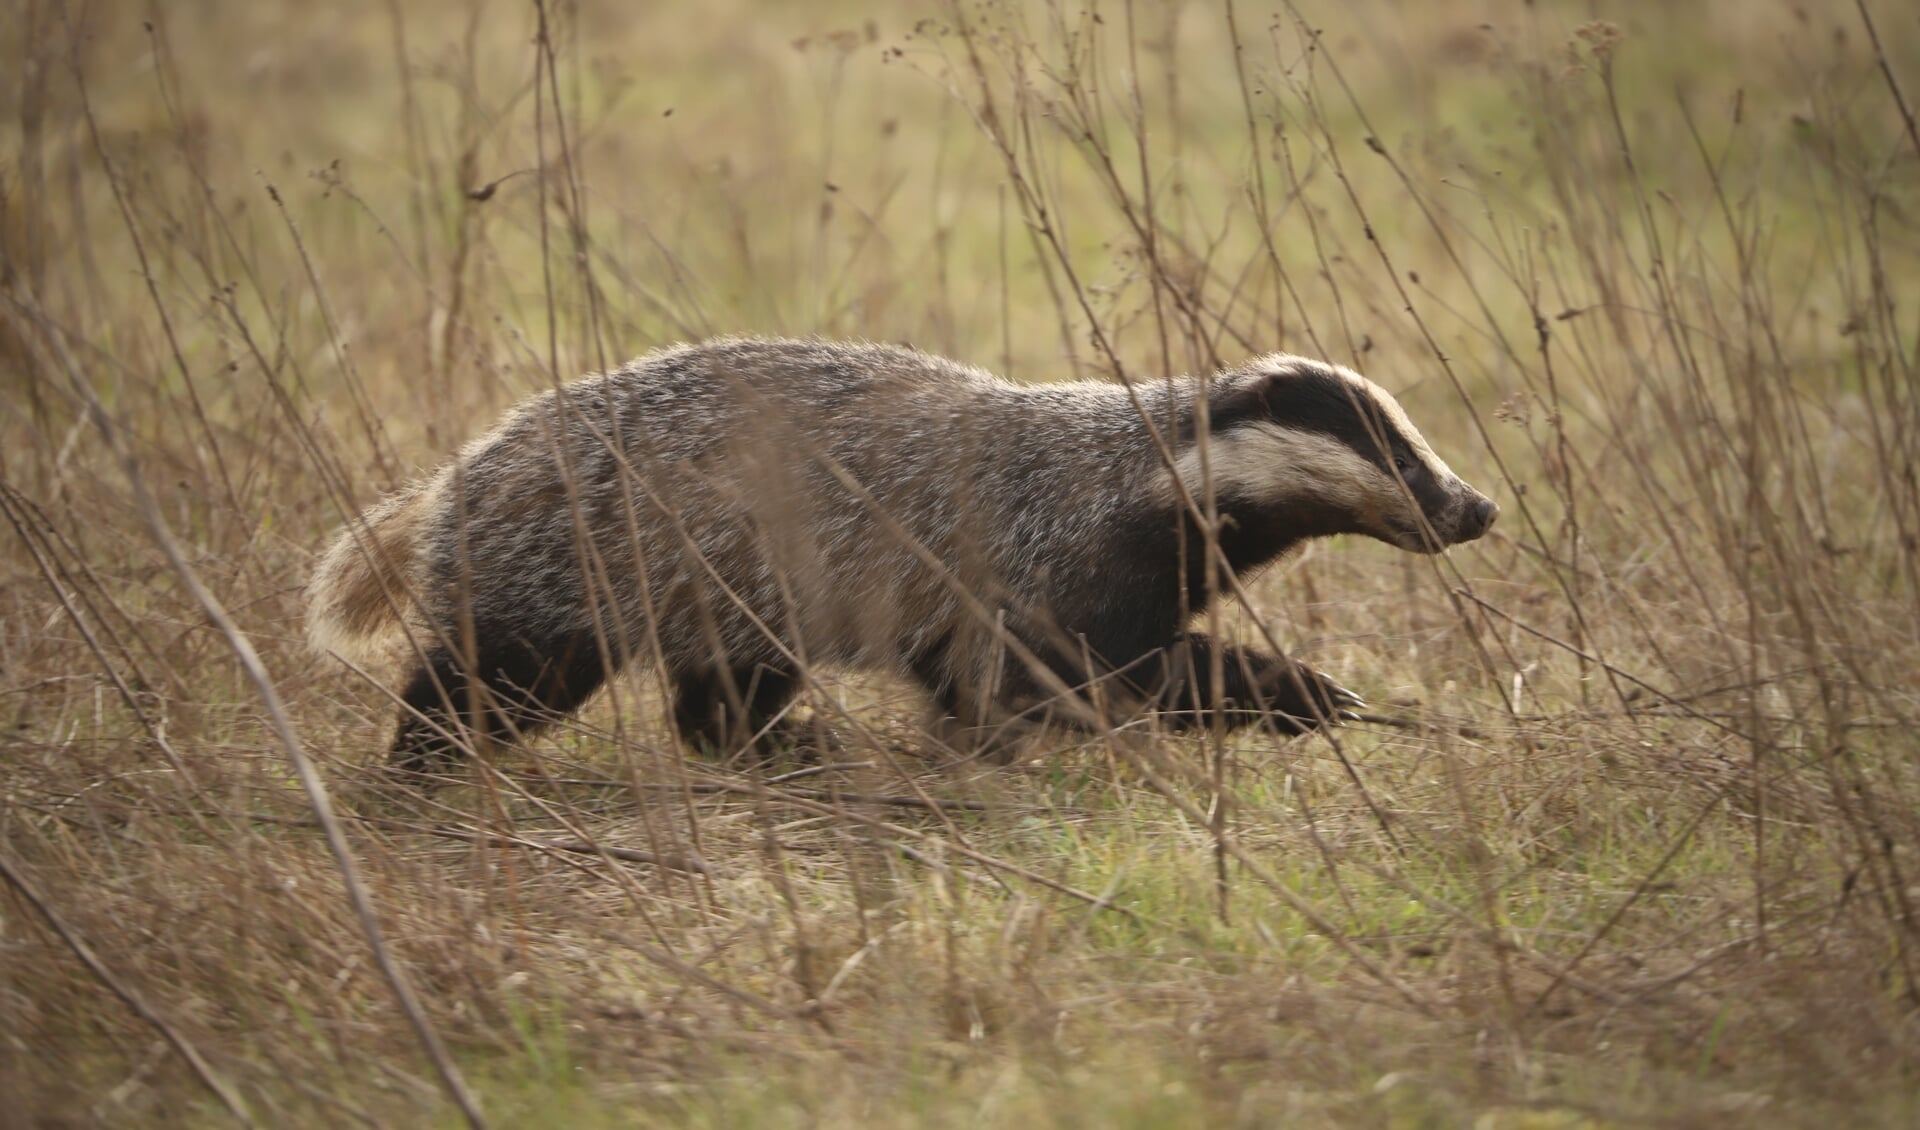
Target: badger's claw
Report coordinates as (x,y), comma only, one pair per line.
(1300,699)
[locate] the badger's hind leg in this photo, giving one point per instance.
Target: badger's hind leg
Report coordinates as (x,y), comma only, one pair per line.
(514,688)
(722,711)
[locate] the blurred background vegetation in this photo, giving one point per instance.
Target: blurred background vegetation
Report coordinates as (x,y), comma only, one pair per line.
(1643,850)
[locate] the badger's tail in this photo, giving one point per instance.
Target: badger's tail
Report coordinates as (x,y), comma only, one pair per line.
(358,598)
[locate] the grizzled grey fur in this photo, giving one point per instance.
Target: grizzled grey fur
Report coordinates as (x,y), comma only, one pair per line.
(740,509)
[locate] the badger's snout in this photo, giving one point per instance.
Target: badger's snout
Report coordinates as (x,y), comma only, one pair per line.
(1463,516)
(1476,517)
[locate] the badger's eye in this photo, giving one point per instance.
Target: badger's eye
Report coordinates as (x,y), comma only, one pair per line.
(1405,464)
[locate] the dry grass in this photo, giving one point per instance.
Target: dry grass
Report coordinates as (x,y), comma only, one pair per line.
(1644,847)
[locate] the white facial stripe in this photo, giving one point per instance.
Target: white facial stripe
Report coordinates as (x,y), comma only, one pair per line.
(1276,465)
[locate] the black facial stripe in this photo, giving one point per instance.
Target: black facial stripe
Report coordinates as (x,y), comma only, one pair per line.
(1317,400)
(1323,402)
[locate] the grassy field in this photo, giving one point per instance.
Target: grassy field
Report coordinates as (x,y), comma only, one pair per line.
(1634,838)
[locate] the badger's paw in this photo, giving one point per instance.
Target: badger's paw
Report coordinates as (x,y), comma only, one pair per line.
(1299,699)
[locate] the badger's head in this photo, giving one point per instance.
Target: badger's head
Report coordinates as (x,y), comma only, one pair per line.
(1300,448)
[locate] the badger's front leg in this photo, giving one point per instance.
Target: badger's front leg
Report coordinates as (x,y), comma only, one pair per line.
(1175,682)
(1254,686)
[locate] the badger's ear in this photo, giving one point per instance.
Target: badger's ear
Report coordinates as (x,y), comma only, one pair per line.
(1231,405)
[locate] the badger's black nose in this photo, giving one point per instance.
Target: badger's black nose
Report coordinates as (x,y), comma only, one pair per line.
(1478,518)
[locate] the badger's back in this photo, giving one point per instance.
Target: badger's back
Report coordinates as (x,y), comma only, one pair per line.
(829,497)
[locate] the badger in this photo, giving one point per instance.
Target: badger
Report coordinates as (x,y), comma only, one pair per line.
(741,511)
